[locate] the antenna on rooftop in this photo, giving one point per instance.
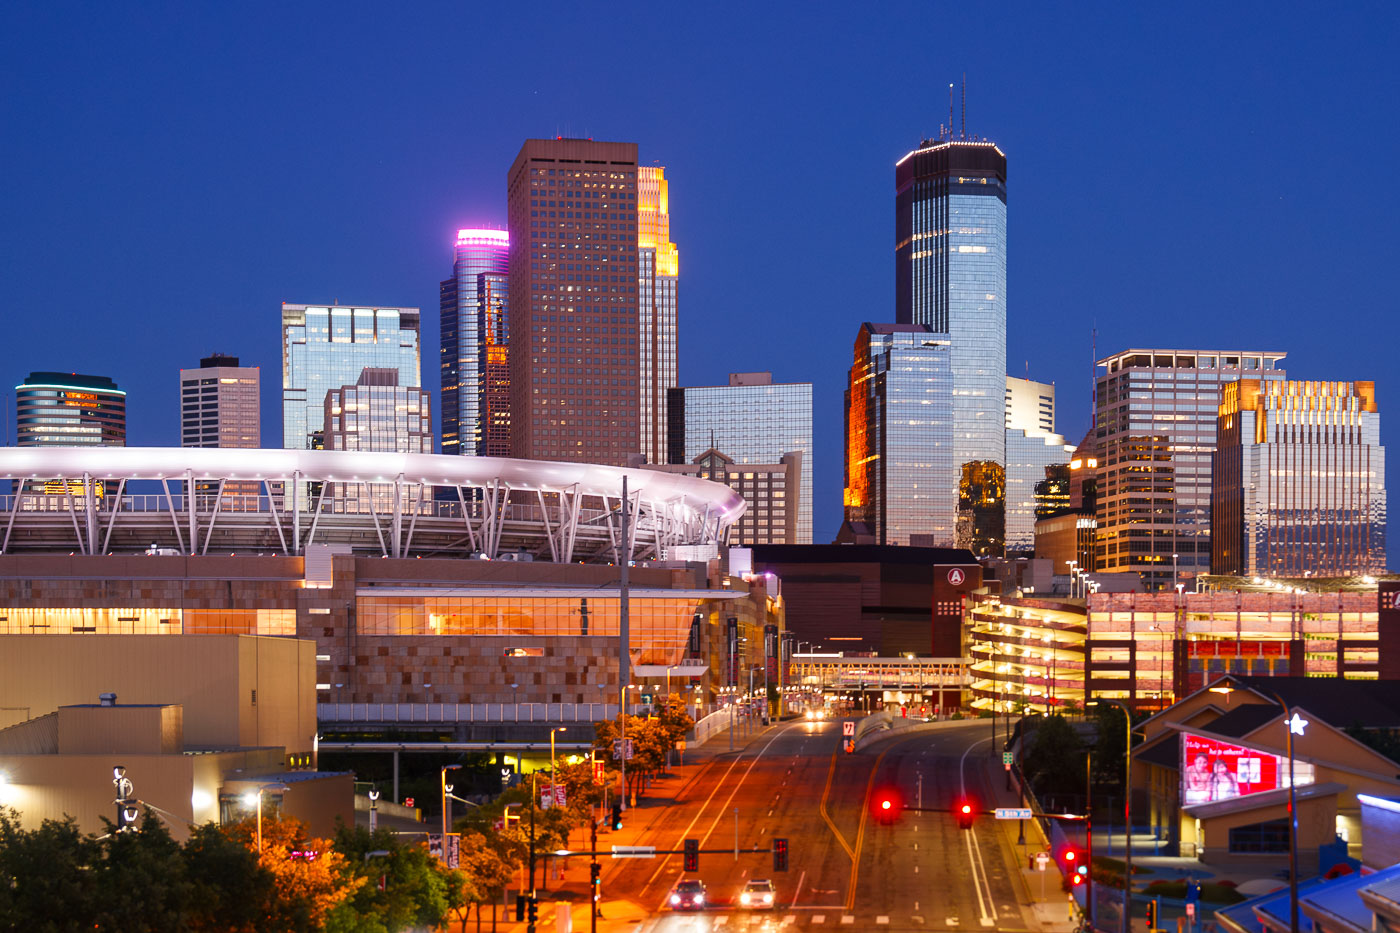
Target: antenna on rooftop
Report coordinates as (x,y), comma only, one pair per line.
(950,110)
(964,106)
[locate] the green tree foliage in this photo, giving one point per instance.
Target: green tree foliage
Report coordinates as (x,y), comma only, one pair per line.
(1110,744)
(234,893)
(141,880)
(416,887)
(1054,761)
(46,879)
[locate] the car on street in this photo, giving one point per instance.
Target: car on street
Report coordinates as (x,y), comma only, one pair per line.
(758,894)
(814,714)
(688,894)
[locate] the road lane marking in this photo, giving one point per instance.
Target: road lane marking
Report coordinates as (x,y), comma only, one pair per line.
(882,919)
(819,918)
(798,892)
(830,773)
(718,784)
(985,904)
(848,918)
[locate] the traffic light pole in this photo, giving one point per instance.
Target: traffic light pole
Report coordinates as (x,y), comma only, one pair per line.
(534,802)
(595,876)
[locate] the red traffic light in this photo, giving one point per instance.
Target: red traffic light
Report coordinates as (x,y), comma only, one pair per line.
(1070,855)
(965,813)
(887,805)
(966,808)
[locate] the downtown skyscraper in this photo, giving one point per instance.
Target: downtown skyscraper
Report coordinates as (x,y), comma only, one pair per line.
(475,413)
(573,301)
(658,277)
(950,275)
(950,280)
(325,347)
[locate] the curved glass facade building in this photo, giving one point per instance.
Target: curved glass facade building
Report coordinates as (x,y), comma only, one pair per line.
(473,341)
(950,275)
(69,410)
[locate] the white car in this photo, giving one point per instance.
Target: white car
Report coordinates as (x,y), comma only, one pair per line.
(815,714)
(758,894)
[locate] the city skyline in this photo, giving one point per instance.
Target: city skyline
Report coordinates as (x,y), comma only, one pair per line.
(1163,128)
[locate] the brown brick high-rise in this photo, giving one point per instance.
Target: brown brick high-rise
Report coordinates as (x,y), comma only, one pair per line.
(572,314)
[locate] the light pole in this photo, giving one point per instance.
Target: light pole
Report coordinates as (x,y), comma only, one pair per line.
(255,799)
(515,692)
(1127,815)
(1294,724)
(373,810)
(445,791)
(552,779)
(1174,576)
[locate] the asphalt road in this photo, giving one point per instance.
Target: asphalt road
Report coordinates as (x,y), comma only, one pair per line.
(847,870)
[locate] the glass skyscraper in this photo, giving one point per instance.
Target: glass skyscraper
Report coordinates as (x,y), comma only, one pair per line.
(900,475)
(326,347)
(751,421)
(69,410)
(1299,480)
(1155,433)
(658,272)
(1028,455)
(950,275)
(469,325)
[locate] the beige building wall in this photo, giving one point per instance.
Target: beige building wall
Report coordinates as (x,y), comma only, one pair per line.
(236,690)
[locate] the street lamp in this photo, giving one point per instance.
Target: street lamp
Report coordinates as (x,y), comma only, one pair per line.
(1295,725)
(1127,815)
(552,779)
(373,809)
(515,688)
(445,791)
(255,799)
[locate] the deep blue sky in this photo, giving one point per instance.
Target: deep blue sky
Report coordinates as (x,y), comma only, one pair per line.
(1179,174)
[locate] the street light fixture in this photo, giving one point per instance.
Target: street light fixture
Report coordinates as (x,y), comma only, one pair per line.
(1127,814)
(445,791)
(255,799)
(552,778)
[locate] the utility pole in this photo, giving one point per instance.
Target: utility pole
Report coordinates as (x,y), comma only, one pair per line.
(595,876)
(1089,835)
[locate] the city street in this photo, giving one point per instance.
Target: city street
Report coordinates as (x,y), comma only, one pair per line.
(846,869)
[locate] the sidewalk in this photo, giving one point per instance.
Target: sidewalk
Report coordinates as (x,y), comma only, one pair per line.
(1052,908)
(619,915)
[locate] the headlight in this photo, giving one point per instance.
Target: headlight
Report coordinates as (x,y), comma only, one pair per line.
(767,898)
(744,898)
(675,898)
(699,898)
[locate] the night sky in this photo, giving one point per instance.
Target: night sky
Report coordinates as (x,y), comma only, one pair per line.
(1179,175)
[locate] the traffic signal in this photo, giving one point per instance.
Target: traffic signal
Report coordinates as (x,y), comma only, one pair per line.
(616,821)
(692,855)
(1152,914)
(520,908)
(1076,868)
(532,910)
(965,812)
(780,855)
(595,877)
(887,805)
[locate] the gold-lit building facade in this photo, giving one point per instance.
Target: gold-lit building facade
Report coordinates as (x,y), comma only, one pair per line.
(658,278)
(1299,480)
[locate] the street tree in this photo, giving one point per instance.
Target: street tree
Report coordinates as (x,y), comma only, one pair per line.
(141,880)
(46,878)
(310,877)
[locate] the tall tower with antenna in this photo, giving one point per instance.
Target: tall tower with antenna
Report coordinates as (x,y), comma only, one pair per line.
(950,274)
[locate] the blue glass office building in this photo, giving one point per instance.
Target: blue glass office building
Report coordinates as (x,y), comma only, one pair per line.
(950,275)
(467,325)
(901,479)
(326,347)
(753,420)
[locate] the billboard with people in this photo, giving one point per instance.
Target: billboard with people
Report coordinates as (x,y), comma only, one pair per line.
(1212,770)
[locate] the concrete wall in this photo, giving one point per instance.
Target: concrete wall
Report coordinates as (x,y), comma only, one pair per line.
(211,676)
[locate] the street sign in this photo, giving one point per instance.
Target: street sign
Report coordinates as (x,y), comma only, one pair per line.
(1013,813)
(848,727)
(1042,861)
(634,851)
(408,801)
